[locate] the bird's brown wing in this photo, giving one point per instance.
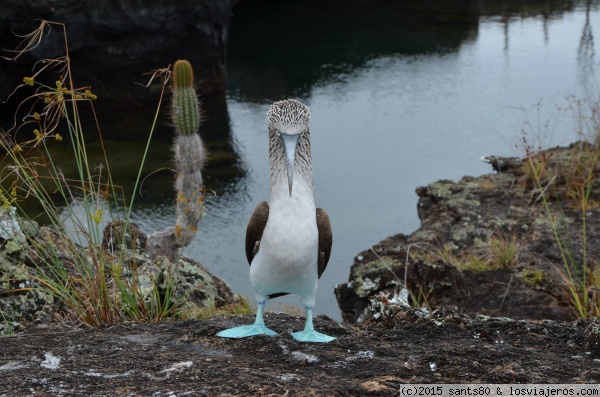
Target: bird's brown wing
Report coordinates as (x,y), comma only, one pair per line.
(255,228)
(325,239)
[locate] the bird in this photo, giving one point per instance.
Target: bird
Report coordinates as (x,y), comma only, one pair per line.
(288,239)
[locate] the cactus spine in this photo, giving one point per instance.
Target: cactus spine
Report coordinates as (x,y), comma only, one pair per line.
(190,154)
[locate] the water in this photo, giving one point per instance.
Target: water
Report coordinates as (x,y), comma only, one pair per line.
(393,122)
(399,99)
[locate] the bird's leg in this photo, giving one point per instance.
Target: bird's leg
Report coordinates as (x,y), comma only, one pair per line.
(309,334)
(258,328)
(260,322)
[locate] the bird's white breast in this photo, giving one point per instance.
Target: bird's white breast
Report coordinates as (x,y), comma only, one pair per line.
(287,257)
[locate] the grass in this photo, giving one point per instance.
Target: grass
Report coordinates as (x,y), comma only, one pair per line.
(500,253)
(563,187)
(576,269)
(503,253)
(233,309)
(96,286)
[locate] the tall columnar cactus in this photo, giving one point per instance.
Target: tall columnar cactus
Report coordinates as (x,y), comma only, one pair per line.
(190,155)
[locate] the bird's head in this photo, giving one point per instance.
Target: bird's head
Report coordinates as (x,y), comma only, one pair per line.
(289,120)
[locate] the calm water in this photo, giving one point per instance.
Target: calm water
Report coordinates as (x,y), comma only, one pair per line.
(399,99)
(383,125)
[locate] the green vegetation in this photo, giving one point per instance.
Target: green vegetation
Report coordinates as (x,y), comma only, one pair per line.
(233,309)
(532,277)
(503,253)
(498,253)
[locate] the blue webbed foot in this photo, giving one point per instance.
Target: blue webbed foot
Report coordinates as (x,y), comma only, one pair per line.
(245,331)
(312,336)
(309,334)
(258,328)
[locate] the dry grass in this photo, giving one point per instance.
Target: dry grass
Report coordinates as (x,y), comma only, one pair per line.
(92,283)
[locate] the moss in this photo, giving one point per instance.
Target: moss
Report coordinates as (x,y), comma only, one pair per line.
(460,234)
(472,264)
(487,185)
(189,310)
(461,202)
(503,223)
(532,277)
(425,235)
(11,274)
(441,189)
(12,247)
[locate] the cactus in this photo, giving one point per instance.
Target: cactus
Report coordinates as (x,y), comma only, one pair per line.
(190,155)
(186,110)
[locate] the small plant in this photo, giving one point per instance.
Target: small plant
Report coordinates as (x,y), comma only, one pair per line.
(463,262)
(503,253)
(532,277)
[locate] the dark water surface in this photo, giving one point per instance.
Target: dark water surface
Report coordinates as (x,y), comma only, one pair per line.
(400,95)
(399,98)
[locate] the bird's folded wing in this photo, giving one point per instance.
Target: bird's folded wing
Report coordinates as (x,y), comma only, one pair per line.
(255,228)
(325,239)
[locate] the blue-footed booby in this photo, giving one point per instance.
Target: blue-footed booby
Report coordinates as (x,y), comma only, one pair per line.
(288,240)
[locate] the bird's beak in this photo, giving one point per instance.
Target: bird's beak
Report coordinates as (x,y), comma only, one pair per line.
(289,144)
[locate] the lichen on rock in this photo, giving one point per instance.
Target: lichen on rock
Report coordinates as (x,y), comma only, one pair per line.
(487,245)
(26,298)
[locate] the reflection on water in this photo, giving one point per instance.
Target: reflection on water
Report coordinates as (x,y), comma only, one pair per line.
(388,116)
(399,97)
(586,53)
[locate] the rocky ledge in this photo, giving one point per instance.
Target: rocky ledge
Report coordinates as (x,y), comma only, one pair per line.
(484,271)
(490,245)
(186,359)
(25,298)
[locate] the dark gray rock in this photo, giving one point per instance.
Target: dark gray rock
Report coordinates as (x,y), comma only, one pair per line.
(113,43)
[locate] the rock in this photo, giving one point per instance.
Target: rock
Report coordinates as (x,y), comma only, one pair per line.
(504,164)
(112,44)
(192,284)
(163,243)
(487,245)
(377,358)
(9,226)
(20,301)
(592,338)
(26,297)
(119,235)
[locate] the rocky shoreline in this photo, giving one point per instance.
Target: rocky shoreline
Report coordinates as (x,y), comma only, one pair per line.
(483,272)
(26,300)
(486,245)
